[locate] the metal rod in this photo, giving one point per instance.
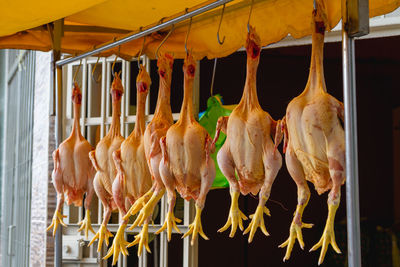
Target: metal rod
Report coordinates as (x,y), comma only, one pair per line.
(350,114)
(145,32)
(58,137)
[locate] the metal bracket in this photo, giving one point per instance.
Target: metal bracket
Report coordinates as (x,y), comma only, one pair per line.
(355,15)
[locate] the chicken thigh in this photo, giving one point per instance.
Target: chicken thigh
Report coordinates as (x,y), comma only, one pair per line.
(155,130)
(315,146)
(103,163)
(73,173)
(248,149)
(186,164)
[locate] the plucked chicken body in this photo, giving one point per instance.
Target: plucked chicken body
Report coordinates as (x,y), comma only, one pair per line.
(186,164)
(73,172)
(104,164)
(155,130)
(315,146)
(249,149)
(133,179)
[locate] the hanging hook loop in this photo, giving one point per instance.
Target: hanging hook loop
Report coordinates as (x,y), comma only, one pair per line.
(165,39)
(141,51)
(219,26)
(213,77)
(76,72)
(248,21)
(187,34)
(115,60)
(93,70)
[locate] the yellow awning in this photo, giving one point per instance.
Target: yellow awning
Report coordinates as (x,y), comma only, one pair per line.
(23,23)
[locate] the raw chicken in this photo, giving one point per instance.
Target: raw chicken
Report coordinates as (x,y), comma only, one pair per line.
(104,164)
(186,164)
(73,173)
(133,179)
(315,146)
(248,149)
(155,130)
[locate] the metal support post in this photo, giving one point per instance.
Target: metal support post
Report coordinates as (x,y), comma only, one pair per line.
(355,23)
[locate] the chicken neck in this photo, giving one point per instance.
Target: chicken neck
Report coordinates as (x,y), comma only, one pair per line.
(187,105)
(316,80)
(249,97)
(140,110)
(163,106)
(115,128)
(76,130)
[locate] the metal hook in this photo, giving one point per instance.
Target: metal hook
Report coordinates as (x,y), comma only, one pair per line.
(248,21)
(187,34)
(219,27)
(94,68)
(76,72)
(213,77)
(115,60)
(141,50)
(163,41)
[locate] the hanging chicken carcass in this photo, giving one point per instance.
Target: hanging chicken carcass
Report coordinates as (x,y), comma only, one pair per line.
(133,178)
(73,172)
(315,146)
(249,149)
(103,163)
(186,164)
(155,130)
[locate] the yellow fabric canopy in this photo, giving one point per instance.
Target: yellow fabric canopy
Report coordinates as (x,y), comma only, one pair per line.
(23,24)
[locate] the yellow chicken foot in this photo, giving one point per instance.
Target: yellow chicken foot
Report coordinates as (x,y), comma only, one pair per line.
(142,239)
(119,245)
(170,222)
(295,232)
(196,227)
(57,220)
(257,220)
(102,235)
(86,225)
(328,237)
(138,205)
(235,217)
(147,210)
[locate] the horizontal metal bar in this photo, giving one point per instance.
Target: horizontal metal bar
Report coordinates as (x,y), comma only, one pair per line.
(94,121)
(114,228)
(144,32)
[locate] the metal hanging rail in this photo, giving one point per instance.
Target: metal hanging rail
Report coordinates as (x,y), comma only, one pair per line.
(145,32)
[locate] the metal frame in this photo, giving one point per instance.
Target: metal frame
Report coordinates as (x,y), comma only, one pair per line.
(352,22)
(87,86)
(145,32)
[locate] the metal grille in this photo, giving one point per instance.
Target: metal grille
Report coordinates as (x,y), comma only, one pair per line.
(95,121)
(17,156)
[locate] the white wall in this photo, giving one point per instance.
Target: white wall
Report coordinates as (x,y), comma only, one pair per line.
(40,162)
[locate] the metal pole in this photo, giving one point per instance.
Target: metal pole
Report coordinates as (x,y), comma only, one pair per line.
(144,32)
(350,114)
(58,137)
